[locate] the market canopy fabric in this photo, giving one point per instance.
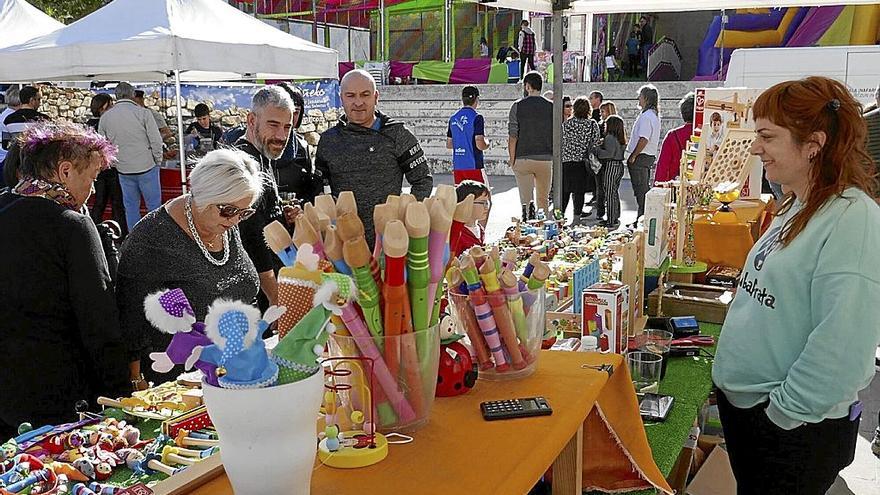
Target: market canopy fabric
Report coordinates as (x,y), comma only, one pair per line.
(21,21)
(628,6)
(145,40)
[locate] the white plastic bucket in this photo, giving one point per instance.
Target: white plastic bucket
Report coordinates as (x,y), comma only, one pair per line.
(267,435)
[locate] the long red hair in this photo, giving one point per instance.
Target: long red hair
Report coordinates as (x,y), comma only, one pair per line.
(820,104)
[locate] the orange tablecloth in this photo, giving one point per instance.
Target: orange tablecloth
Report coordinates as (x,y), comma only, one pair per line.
(459,450)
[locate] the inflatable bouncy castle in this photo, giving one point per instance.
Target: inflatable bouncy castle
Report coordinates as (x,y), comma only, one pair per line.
(782,27)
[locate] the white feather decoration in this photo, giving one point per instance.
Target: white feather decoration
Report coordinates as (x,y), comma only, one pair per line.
(161,319)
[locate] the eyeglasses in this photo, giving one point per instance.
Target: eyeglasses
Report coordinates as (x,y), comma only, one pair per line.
(229,211)
(487,204)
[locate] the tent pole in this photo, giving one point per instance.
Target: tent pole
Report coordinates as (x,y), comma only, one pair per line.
(314,21)
(556,40)
(180,144)
(588,47)
(446,30)
(381,30)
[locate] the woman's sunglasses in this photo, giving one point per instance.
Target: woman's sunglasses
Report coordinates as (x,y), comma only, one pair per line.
(229,211)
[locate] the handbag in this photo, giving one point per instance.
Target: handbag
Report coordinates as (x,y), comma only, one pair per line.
(592,161)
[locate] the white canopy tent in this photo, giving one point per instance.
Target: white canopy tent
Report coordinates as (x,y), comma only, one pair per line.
(161,40)
(21,21)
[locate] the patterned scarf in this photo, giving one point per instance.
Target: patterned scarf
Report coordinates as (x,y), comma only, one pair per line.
(32,187)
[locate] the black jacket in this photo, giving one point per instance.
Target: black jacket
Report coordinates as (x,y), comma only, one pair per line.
(268,210)
(372,164)
(59,326)
(294,172)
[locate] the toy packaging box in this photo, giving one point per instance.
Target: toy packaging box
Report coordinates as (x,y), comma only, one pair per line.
(606,315)
(656,220)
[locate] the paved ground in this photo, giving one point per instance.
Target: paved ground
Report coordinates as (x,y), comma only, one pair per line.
(860,478)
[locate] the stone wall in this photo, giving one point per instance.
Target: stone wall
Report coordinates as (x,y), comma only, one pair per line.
(72,104)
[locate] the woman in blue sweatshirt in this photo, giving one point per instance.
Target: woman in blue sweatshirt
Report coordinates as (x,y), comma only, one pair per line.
(798,342)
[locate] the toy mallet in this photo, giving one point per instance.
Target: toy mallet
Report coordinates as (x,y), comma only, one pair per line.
(184,440)
(280,242)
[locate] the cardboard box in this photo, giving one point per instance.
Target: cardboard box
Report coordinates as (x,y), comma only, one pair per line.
(715,477)
(657,218)
(606,315)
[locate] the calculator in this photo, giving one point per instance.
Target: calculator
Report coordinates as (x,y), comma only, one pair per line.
(515,408)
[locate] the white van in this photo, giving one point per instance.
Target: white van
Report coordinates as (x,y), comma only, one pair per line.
(856,66)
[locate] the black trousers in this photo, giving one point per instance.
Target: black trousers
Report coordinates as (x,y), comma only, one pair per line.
(574,183)
(107,190)
(599,193)
(768,459)
(523,59)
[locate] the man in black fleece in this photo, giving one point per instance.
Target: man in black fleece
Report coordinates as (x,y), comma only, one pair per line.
(368,153)
(268,128)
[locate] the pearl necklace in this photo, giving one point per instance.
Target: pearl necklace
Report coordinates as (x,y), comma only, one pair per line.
(187,208)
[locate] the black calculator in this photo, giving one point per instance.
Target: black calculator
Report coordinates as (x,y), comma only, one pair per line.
(515,408)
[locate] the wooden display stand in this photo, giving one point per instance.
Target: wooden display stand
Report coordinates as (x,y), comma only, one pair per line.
(633,275)
(191,478)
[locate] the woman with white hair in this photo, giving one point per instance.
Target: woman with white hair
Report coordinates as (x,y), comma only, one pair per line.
(192,243)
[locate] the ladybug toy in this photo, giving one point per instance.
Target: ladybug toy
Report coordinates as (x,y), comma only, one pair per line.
(457,372)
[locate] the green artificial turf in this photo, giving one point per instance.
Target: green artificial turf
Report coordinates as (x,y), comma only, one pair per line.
(689,380)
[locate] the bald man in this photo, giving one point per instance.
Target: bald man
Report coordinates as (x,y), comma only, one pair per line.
(369,153)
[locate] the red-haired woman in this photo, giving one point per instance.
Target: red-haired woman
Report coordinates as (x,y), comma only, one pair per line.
(60,329)
(798,342)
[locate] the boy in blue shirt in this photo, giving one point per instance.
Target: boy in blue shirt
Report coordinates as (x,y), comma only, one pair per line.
(465,136)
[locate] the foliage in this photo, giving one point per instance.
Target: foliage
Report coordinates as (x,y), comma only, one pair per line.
(68,11)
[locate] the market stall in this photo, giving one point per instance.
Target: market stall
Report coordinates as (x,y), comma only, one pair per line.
(162,41)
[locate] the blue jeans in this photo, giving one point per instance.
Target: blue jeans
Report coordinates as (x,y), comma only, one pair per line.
(134,186)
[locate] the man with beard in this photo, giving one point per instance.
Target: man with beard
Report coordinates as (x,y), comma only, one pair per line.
(268,127)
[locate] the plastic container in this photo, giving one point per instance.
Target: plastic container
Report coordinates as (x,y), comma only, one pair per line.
(505,339)
(644,369)
(267,435)
(404,377)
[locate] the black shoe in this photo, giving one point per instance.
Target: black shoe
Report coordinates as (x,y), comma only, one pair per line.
(592,202)
(532,214)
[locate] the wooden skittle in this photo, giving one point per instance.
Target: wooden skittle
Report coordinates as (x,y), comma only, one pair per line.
(468,319)
(483,310)
(280,243)
(318,218)
(333,250)
(503,318)
(418,226)
(305,233)
(479,255)
(495,256)
(357,256)
(462,215)
(345,203)
(438,245)
(326,204)
(394,292)
(514,300)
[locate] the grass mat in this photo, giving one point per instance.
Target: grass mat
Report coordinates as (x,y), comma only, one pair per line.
(150,429)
